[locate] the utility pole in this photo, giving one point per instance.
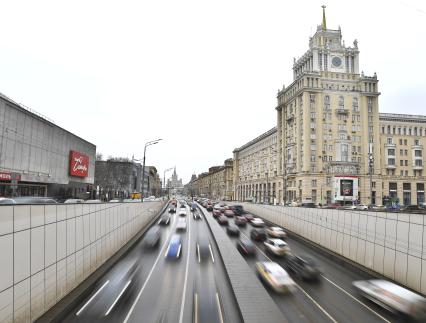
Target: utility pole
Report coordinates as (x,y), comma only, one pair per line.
(149,143)
(370,165)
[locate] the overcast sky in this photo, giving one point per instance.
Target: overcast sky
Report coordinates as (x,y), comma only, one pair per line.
(202,75)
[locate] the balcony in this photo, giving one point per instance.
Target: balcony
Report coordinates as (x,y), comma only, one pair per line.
(417,167)
(390,166)
(390,145)
(342,111)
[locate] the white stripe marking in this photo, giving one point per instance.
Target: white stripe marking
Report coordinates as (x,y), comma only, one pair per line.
(354,298)
(211,252)
(196,308)
(198,253)
(178,254)
(91,298)
(219,308)
(182,306)
(118,297)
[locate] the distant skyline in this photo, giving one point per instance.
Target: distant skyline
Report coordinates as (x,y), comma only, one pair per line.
(203,76)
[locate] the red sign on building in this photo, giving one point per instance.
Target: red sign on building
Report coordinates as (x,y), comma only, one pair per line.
(4,176)
(79,164)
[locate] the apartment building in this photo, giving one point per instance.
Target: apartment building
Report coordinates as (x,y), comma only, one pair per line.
(256,176)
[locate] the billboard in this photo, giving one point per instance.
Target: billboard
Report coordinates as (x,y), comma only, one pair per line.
(345,188)
(79,164)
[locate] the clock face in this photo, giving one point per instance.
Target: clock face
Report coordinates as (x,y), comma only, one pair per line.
(336,61)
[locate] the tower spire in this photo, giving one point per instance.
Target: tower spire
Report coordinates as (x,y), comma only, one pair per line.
(324,21)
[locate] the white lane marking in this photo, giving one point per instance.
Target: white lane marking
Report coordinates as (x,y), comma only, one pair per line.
(182,306)
(354,298)
(196,308)
(298,286)
(91,298)
(118,297)
(211,252)
(198,253)
(159,221)
(147,279)
(167,251)
(178,254)
(219,307)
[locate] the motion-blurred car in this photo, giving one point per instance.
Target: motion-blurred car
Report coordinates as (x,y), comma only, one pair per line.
(238,209)
(248,216)
(216,213)
(276,232)
(246,247)
(193,207)
(349,207)
(413,209)
(277,247)
(5,200)
(174,248)
(203,250)
(197,216)
(207,307)
(393,297)
(182,212)
(228,213)
(241,221)
(258,234)
(72,201)
(181,224)
(256,222)
(164,220)
(152,237)
(222,220)
(233,230)
(37,200)
(304,268)
(309,205)
(275,276)
(172,209)
(209,207)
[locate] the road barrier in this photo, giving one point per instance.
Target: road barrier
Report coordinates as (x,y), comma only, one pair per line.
(48,250)
(391,244)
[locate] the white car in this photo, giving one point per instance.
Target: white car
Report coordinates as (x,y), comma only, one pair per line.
(256,222)
(276,232)
(71,201)
(393,297)
(362,207)
(275,276)
(181,224)
(277,247)
(182,212)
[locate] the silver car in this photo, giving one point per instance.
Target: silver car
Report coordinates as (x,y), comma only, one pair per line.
(276,232)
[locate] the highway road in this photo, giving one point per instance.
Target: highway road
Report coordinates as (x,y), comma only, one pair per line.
(145,286)
(332,299)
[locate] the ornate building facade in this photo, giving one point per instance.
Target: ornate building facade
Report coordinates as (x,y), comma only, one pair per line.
(327,120)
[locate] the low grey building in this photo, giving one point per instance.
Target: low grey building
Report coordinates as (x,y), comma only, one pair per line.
(39,158)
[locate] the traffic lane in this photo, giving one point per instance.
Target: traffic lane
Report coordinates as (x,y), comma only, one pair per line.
(109,287)
(340,279)
(296,306)
(162,295)
(213,271)
(340,305)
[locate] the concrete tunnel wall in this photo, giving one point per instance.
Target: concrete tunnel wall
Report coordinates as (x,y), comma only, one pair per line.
(391,244)
(47,250)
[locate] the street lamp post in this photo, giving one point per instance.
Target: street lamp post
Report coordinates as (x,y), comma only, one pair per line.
(149,143)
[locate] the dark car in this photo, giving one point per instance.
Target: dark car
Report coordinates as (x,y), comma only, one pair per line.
(309,205)
(233,230)
(152,237)
(203,249)
(197,216)
(216,213)
(209,207)
(222,220)
(241,221)
(258,234)
(229,213)
(193,207)
(238,209)
(246,247)
(164,220)
(304,268)
(413,209)
(249,216)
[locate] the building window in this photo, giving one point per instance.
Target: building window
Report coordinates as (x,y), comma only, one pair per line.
(328,180)
(406,162)
(314,183)
(401,152)
(341,102)
(391,152)
(405,142)
(355,105)
(389,140)
(401,163)
(391,161)
(418,153)
(419,162)
(416,142)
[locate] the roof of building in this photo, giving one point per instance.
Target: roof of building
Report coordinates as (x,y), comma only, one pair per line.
(38,115)
(402,117)
(257,139)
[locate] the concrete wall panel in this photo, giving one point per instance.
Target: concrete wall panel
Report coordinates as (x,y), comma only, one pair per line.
(48,250)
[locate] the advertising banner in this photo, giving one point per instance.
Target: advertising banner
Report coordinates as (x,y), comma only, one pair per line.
(79,164)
